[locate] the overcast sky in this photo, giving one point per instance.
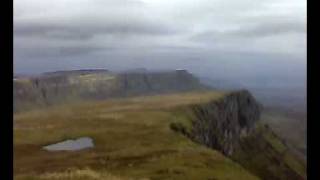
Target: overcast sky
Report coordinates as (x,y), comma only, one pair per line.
(231,38)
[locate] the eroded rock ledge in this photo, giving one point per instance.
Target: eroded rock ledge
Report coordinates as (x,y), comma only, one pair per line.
(219,124)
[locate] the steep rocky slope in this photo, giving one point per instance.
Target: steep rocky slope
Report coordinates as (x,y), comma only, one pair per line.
(70,86)
(231,125)
(220,124)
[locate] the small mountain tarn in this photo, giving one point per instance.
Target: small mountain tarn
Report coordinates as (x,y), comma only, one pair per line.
(71,145)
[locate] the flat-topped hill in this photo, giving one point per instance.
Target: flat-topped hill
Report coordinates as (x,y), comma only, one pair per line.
(70,86)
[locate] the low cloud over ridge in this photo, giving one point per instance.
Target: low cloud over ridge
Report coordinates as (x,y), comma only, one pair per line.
(113,34)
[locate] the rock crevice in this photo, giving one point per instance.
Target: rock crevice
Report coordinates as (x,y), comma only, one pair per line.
(220,124)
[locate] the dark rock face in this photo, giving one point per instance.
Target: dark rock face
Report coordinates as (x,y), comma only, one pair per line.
(75,72)
(159,82)
(230,125)
(220,124)
(69,86)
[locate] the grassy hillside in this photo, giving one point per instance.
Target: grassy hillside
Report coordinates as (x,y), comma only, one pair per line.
(132,137)
(265,154)
(290,125)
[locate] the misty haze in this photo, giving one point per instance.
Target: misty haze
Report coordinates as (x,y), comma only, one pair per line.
(178,89)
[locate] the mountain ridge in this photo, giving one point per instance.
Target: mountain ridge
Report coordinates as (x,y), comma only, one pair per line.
(57,87)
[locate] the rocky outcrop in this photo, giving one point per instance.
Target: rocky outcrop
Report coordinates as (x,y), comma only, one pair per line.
(220,124)
(231,125)
(158,82)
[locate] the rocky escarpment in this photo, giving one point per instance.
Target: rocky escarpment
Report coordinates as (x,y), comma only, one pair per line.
(70,86)
(220,124)
(158,82)
(231,125)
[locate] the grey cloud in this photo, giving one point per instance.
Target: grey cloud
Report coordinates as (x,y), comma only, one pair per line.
(86,31)
(118,2)
(262,30)
(76,37)
(50,31)
(212,37)
(58,51)
(258,30)
(71,51)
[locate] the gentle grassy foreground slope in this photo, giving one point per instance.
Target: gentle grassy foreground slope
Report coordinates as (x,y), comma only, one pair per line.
(133,140)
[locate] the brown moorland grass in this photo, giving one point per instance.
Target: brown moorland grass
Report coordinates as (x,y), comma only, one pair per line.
(132,139)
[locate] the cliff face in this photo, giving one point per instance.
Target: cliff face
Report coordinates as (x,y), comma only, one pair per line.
(158,82)
(69,86)
(220,124)
(231,125)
